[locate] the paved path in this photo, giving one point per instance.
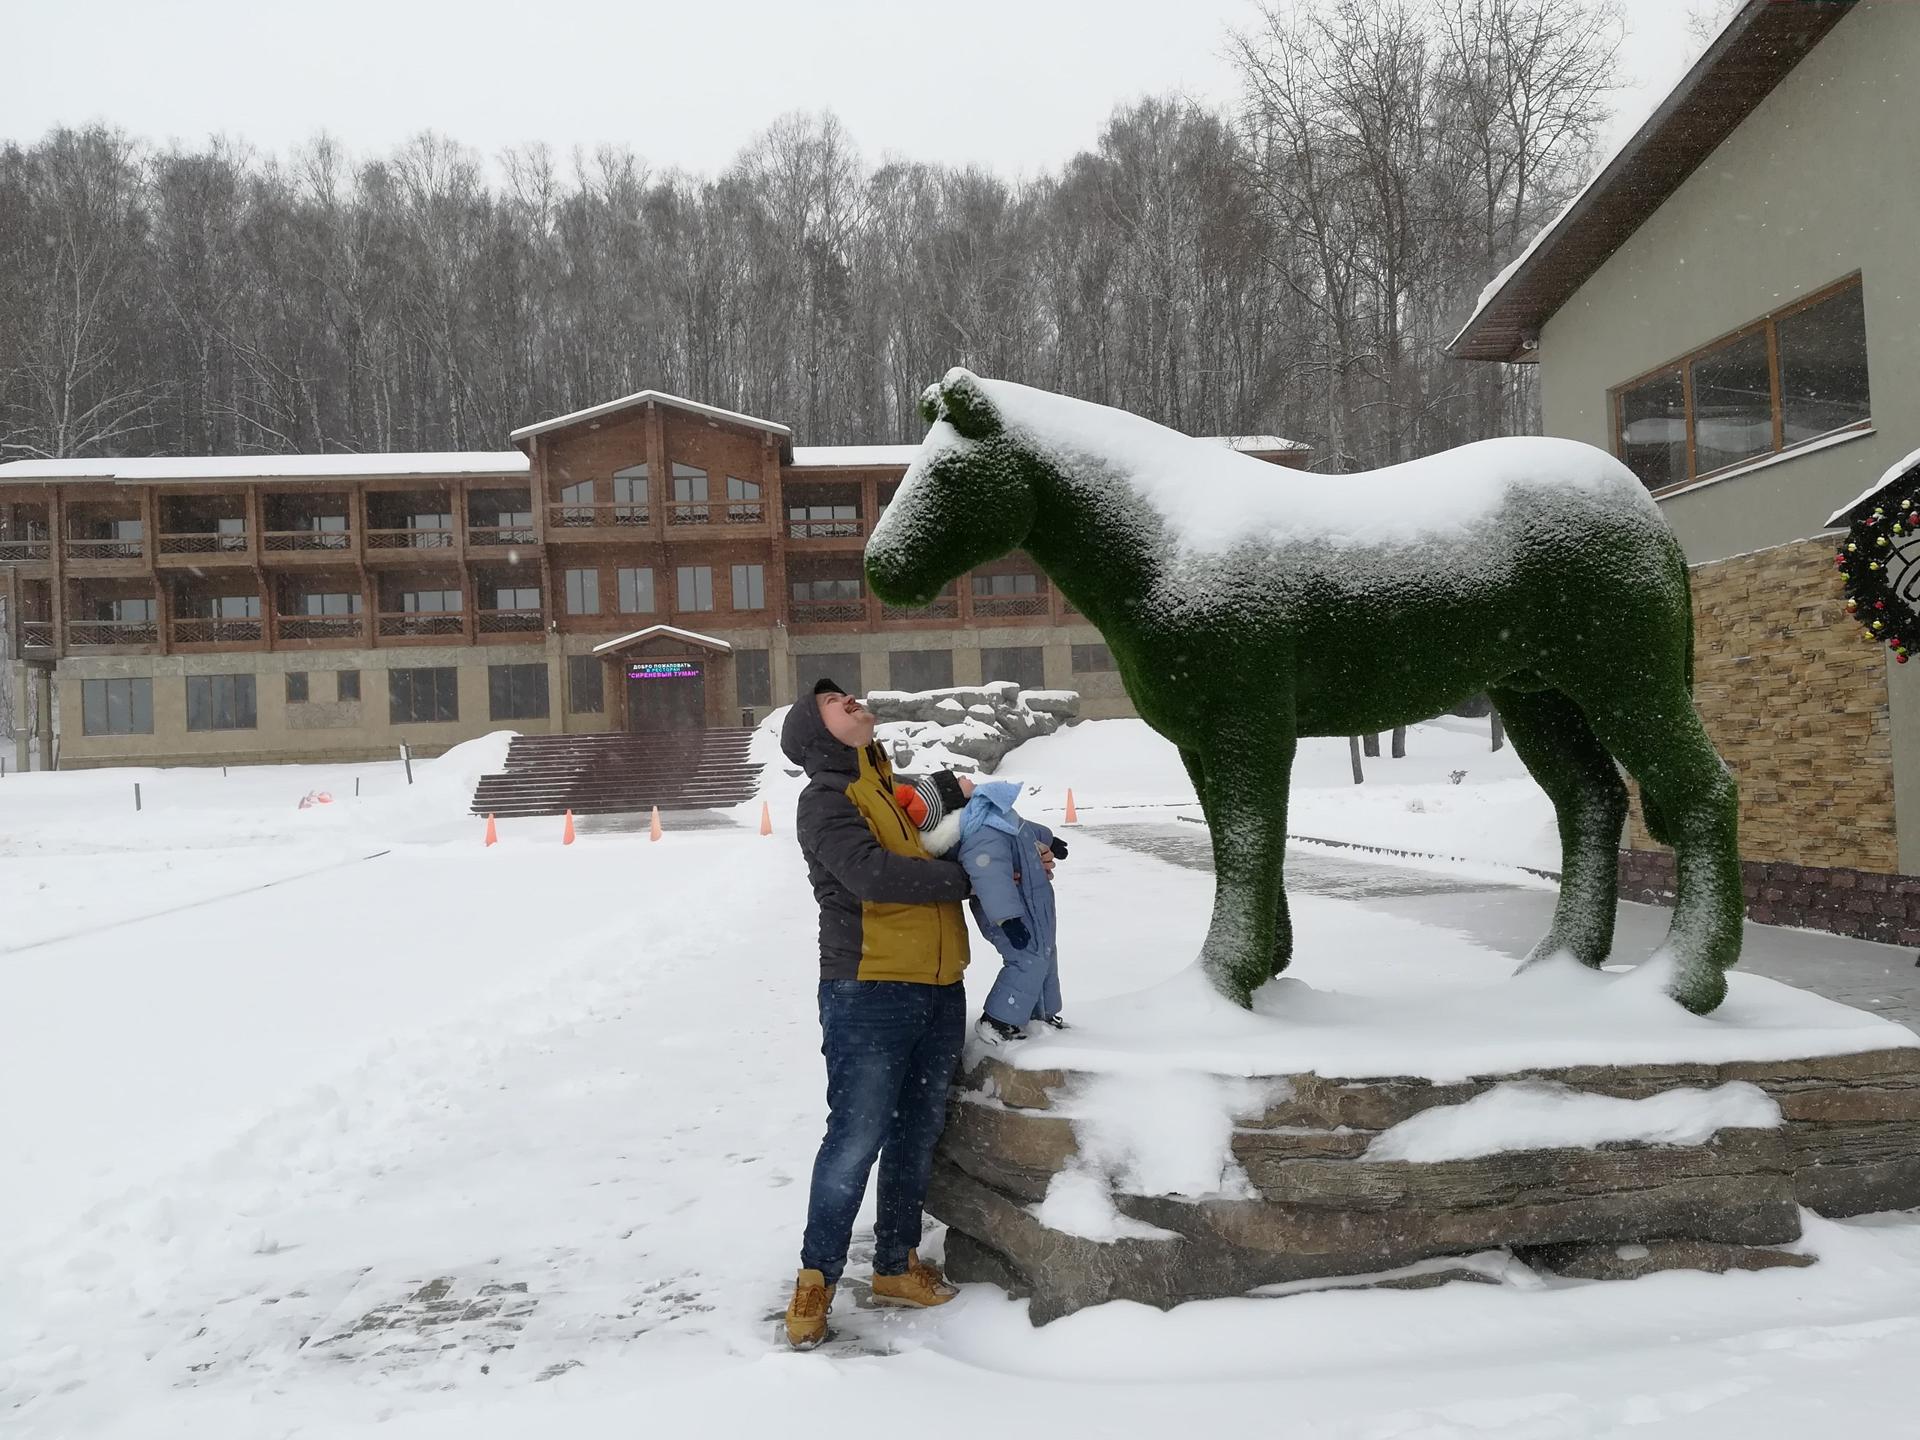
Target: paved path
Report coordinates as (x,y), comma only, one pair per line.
(1510,917)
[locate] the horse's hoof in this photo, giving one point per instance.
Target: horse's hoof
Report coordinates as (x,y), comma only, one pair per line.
(1700,988)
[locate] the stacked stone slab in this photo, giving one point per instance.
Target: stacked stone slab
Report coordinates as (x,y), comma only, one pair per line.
(980,723)
(1849,1144)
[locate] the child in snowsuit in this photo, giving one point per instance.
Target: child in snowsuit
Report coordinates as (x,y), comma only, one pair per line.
(1012,899)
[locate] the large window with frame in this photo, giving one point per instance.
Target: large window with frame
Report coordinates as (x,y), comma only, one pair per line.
(117,707)
(1792,377)
(920,669)
(753,677)
(220,702)
(517,692)
(749,587)
(423,696)
(583,592)
(586,685)
(694,584)
(636,589)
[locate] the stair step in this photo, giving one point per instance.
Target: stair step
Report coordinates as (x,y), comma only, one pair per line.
(614,773)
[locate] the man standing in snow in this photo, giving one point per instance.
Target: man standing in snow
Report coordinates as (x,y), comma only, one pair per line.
(893,947)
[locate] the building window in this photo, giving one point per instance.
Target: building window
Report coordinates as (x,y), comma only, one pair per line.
(583,592)
(689,495)
(1794,376)
(1019,583)
(337,603)
(236,607)
(423,697)
(745,497)
(116,707)
(753,677)
(578,500)
(1024,665)
(805,521)
(517,692)
(296,687)
(1092,659)
(346,684)
(695,584)
(636,590)
(630,495)
(749,587)
(220,702)
(430,602)
(585,685)
(139,611)
(920,669)
(841,667)
(832,587)
(516,597)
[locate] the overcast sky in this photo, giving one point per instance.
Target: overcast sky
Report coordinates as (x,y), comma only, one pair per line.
(1016,85)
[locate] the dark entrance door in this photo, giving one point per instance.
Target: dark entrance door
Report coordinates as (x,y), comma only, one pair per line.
(666,695)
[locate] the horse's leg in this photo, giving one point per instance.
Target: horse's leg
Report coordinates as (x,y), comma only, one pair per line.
(1197,773)
(1568,761)
(1656,733)
(1246,773)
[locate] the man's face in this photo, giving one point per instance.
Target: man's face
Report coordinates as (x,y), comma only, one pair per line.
(850,722)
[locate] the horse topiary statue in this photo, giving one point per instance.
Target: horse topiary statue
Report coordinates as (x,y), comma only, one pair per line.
(1247,606)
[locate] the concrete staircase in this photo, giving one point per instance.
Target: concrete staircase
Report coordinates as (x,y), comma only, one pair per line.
(611,774)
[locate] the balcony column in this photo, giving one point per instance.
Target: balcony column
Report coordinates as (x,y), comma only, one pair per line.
(163,614)
(537,490)
(57,587)
(256,525)
(269,611)
(370,606)
(869,502)
(357,523)
(659,472)
(469,622)
(150,527)
(963,587)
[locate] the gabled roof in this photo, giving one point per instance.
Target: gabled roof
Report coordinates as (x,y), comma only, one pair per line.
(1756,50)
(673,632)
(655,397)
(154,469)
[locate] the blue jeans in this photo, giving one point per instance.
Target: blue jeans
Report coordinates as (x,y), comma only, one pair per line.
(892,1048)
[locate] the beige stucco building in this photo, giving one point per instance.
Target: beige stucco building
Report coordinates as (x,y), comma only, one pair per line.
(1733,308)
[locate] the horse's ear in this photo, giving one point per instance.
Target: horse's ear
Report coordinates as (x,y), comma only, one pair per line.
(930,404)
(968,409)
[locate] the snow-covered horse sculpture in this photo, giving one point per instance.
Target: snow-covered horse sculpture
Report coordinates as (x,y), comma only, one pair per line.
(1247,606)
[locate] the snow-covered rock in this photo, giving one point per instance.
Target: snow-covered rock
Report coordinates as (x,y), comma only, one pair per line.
(966,728)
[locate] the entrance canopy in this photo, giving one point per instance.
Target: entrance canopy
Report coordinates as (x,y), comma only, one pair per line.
(662,632)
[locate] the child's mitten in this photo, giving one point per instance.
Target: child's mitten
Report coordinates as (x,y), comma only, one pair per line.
(1016,931)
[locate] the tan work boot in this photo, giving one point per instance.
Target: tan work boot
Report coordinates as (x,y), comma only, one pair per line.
(807,1311)
(921,1285)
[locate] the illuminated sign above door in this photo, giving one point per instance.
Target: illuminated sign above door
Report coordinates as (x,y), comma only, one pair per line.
(663,670)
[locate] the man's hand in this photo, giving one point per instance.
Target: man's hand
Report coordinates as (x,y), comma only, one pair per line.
(1046,857)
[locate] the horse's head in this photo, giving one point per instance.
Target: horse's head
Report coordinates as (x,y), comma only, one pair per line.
(967,499)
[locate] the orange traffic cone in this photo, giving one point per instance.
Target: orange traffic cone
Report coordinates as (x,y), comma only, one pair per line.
(766,819)
(566,835)
(653,830)
(1073,815)
(493,834)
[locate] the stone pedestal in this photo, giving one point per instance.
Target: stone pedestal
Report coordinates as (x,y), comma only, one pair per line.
(1315,1206)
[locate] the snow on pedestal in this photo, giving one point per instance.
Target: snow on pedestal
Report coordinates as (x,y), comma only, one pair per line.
(1173,1146)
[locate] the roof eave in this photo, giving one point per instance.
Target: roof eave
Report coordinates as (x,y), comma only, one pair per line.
(1506,327)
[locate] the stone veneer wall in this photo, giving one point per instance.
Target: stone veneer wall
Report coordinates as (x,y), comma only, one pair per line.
(1796,702)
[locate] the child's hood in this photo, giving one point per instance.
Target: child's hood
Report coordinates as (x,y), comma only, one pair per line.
(992,804)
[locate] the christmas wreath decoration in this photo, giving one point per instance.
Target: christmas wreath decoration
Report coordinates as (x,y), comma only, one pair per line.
(1879,561)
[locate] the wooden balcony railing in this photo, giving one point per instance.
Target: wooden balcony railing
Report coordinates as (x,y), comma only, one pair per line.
(16,551)
(510,622)
(483,536)
(690,512)
(828,612)
(36,634)
(626,516)
(1008,607)
(944,607)
(306,541)
(105,549)
(320,627)
(205,542)
(422,625)
(82,633)
(746,512)
(423,539)
(219,630)
(824,529)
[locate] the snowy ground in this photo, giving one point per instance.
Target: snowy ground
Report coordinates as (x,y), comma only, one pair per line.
(472,1143)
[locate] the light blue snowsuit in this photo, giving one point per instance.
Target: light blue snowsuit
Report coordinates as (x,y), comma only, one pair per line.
(996,844)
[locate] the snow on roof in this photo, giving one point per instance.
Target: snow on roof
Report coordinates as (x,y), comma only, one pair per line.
(853,456)
(850,457)
(150,469)
(673,631)
(1888,476)
(641,397)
